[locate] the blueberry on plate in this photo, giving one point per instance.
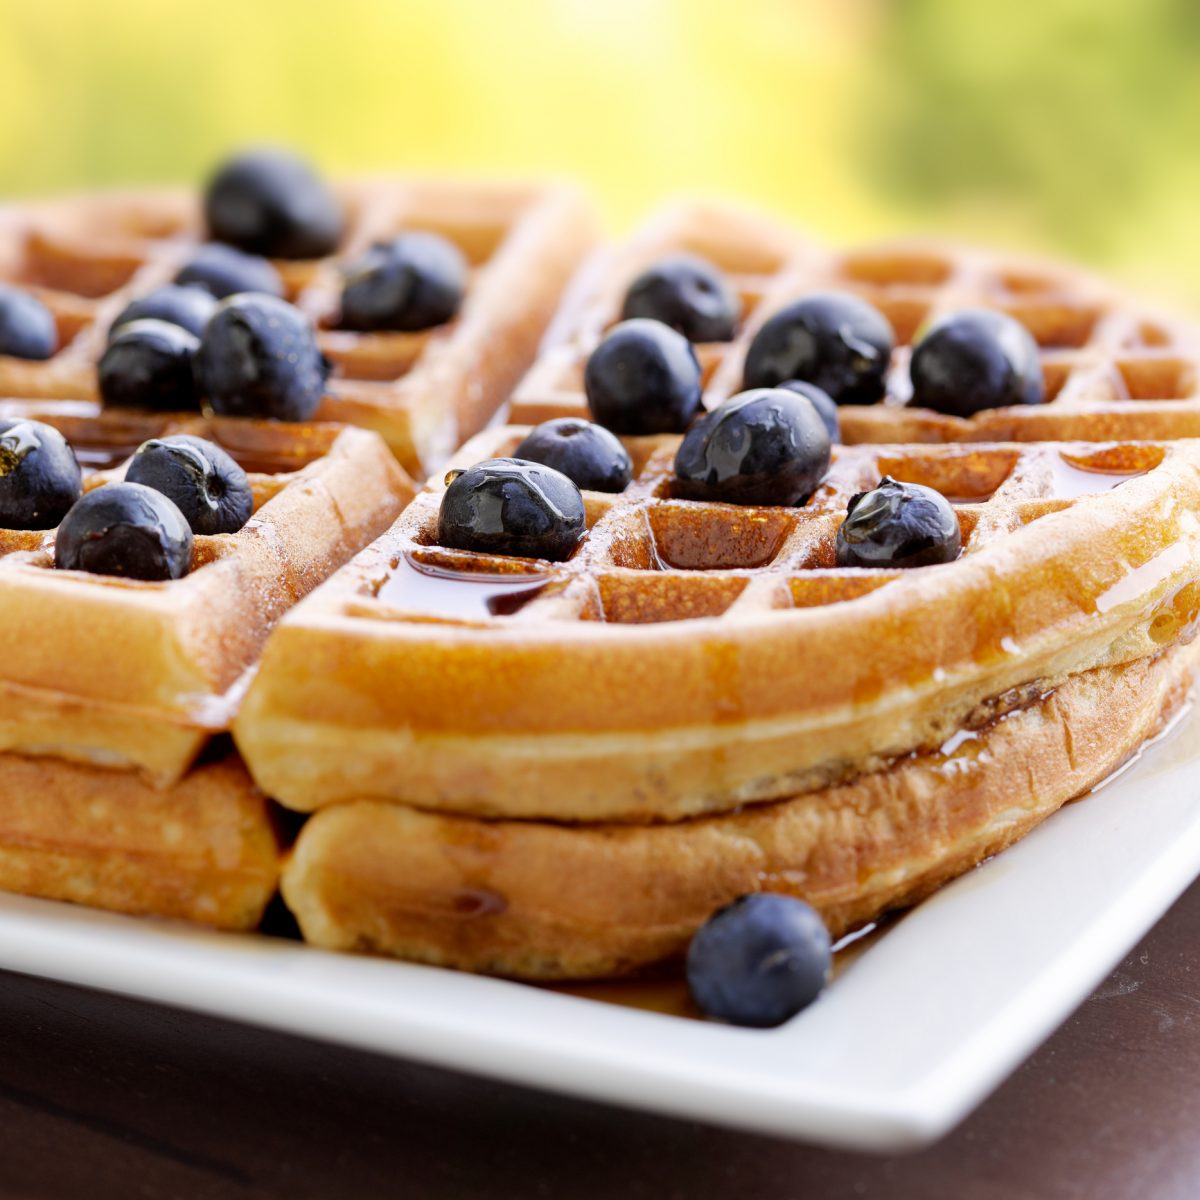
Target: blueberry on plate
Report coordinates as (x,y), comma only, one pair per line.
(507,506)
(687,293)
(187,307)
(272,202)
(224,271)
(202,480)
(759,960)
(766,446)
(643,378)
(259,358)
(898,525)
(587,454)
(125,529)
(415,281)
(836,341)
(972,360)
(27,328)
(826,409)
(39,475)
(150,364)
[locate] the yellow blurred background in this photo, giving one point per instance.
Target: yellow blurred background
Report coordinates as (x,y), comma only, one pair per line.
(1066,125)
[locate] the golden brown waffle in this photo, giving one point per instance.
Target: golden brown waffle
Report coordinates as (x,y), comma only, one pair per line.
(691,657)
(88,256)
(126,674)
(545,901)
(1114,368)
(204,850)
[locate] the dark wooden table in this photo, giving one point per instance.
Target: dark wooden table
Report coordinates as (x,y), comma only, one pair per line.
(105,1097)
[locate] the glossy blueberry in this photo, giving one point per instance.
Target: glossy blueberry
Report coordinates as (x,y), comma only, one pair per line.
(39,476)
(687,293)
(204,483)
(836,341)
(759,960)
(125,529)
(415,281)
(507,506)
(224,271)
(968,361)
(586,454)
(187,307)
(149,364)
(898,525)
(27,328)
(766,446)
(826,409)
(643,378)
(259,358)
(272,202)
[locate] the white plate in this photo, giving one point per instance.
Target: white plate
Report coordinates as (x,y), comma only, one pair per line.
(928,1019)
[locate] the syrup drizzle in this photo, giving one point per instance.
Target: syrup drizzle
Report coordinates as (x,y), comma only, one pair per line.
(1069,480)
(430,591)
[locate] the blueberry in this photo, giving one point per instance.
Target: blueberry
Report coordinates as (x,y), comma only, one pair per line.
(272,202)
(125,529)
(187,307)
(39,476)
(149,364)
(759,960)
(259,358)
(415,281)
(205,484)
(826,409)
(586,454)
(898,525)
(968,361)
(766,446)
(223,271)
(507,506)
(27,328)
(836,341)
(687,293)
(643,378)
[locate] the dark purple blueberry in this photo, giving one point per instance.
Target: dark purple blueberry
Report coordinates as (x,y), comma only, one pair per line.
(898,525)
(643,378)
(225,271)
(970,361)
(150,364)
(27,328)
(415,281)
(272,202)
(125,529)
(687,293)
(187,307)
(766,446)
(759,960)
(507,506)
(259,358)
(202,480)
(836,341)
(826,409)
(39,475)
(587,454)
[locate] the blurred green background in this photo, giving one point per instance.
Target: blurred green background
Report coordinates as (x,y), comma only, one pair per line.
(1066,125)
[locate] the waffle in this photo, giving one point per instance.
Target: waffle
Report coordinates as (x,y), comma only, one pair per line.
(110,688)
(1114,368)
(86,257)
(692,657)
(132,675)
(537,900)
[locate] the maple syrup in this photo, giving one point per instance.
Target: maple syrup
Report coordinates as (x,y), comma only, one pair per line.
(1070,480)
(432,591)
